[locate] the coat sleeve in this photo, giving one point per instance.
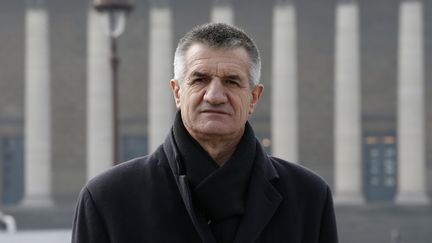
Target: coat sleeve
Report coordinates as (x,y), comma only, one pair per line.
(87,225)
(328,229)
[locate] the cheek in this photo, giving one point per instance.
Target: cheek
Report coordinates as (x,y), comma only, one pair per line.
(243,106)
(195,98)
(189,100)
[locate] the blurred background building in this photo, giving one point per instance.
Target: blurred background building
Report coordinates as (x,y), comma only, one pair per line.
(348,94)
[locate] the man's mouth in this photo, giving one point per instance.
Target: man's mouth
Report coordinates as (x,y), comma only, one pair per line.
(210,111)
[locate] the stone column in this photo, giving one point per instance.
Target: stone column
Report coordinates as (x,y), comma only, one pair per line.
(37,107)
(411,126)
(99,96)
(284,114)
(161,104)
(221,12)
(347,121)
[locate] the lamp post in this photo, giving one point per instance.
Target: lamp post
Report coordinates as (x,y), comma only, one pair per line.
(116,11)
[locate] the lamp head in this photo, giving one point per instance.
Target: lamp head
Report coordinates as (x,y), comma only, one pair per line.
(117,11)
(113,5)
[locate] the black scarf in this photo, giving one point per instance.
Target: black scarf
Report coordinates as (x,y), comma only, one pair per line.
(219,193)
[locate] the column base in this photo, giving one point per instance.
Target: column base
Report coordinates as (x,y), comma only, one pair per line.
(37,202)
(9,222)
(412,198)
(348,198)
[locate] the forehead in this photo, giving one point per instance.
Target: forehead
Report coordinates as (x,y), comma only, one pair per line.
(207,59)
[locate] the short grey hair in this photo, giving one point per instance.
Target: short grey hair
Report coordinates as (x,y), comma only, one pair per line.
(218,36)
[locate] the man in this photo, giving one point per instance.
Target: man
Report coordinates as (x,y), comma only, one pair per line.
(210,181)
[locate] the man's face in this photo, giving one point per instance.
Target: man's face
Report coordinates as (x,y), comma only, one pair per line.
(215,97)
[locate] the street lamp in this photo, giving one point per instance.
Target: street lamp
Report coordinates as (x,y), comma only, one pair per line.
(116,11)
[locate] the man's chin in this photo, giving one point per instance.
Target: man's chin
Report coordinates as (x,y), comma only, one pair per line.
(215,129)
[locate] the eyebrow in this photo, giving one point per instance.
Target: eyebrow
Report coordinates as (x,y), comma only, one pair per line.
(233,76)
(198,74)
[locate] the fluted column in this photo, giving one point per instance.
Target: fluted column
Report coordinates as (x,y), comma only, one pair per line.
(347,126)
(161,107)
(99,96)
(222,12)
(411,126)
(284,114)
(37,107)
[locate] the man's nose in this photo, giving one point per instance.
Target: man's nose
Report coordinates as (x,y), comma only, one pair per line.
(215,92)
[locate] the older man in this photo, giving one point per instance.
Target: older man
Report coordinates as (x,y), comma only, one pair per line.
(210,181)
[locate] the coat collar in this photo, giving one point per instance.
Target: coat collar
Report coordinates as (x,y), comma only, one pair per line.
(262,200)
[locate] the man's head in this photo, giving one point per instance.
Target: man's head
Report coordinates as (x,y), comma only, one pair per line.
(213,87)
(218,36)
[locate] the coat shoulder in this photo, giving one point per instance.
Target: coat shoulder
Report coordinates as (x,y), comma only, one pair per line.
(298,174)
(130,173)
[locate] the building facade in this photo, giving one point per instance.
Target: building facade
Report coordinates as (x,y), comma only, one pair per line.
(348,91)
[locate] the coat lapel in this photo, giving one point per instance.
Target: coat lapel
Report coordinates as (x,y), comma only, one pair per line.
(200,225)
(198,221)
(262,200)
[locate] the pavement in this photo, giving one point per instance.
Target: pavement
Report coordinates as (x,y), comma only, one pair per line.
(377,223)
(37,236)
(371,223)
(45,218)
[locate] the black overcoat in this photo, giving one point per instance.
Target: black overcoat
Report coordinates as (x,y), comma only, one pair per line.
(148,200)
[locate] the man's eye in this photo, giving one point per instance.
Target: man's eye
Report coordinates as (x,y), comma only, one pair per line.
(197,80)
(232,82)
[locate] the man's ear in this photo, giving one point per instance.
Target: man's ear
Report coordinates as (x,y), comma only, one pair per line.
(257,91)
(175,87)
